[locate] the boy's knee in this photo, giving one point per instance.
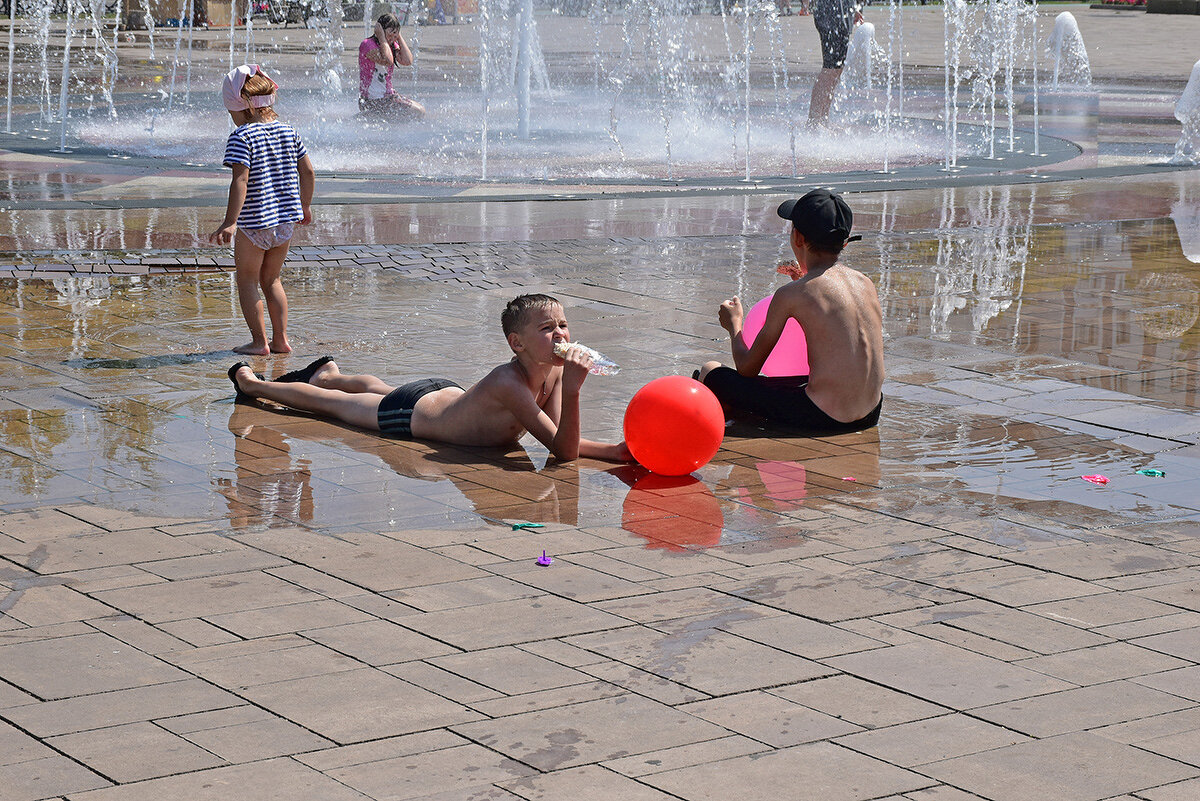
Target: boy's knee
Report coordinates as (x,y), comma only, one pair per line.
(706,369)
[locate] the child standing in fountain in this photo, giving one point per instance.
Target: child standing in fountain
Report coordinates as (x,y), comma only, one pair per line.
(271,191)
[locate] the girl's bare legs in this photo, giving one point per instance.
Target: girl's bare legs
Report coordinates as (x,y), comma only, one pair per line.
(356,408)
(277,305)
(261,268)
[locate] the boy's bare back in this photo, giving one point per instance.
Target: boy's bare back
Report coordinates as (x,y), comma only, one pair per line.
(490,413)
(838,308)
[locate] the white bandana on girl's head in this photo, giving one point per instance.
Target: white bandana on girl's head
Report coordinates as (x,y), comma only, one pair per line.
(231,89)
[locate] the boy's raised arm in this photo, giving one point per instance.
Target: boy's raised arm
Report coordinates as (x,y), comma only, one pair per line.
(749,359)
(561,435)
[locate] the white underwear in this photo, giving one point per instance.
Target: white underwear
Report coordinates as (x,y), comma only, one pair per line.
(267,238)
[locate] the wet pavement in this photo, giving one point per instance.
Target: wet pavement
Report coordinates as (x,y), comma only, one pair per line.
(201,599)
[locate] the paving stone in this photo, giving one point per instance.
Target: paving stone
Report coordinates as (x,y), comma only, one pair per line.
(704,659)
(1180,791)
(588,783)
(579,583)
(815,771)
(769,719)
(1102,663)
(379,642)
(89,663)
(289,619)
(1081,709)
(592,731)
(134,752)
(357,705)
(1099,560)
(643,682)
(269,780)
(686,756)
(45,777)
(1012,626)
(1018,585)
(930,740)
(48,605)
(145,638)
(1138,731)
(247,670)
(121,706)
(1071,767)
(1184,644)
(509,670)
(962,681)
(511,622)
(17,747)
(44,525)
(826,597)
(857,701)
(1181,682)
(456,769)
(81,552)
(177,600)
(465,594)
(444,683)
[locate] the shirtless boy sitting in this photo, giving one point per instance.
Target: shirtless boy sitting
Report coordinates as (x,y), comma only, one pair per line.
(536,392)
(837,308)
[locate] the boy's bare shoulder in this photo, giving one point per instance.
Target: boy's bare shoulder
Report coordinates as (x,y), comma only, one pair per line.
(501,380)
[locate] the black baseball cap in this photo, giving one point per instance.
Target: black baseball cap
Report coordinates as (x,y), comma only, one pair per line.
(822,216)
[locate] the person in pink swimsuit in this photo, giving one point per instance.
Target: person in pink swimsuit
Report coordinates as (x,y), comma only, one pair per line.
(378,56)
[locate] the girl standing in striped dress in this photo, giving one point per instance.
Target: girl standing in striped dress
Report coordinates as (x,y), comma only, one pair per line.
(271,191)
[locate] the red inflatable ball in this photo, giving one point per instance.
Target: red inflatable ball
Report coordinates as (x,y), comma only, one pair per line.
(674,425)
(790,354)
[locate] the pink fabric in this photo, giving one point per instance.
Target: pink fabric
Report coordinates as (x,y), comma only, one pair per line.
(231,89)
(367,67)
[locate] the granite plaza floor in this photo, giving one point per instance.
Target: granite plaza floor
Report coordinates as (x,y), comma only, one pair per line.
(208,600)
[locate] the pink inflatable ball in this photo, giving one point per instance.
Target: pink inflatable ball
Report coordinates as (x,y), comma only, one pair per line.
(674,425)
(790,356)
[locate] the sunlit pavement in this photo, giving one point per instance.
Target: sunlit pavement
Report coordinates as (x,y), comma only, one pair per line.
(208,600)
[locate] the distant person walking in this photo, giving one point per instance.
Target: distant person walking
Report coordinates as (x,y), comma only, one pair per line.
(271,191)
(835,21)
(378,56)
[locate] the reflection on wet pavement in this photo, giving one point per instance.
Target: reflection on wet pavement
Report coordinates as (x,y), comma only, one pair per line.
(237,597)
(1022,353)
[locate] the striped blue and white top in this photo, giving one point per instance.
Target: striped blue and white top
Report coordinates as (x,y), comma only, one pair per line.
(271,151)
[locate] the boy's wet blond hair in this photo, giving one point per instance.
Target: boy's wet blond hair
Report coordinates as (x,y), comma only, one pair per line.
(518,309)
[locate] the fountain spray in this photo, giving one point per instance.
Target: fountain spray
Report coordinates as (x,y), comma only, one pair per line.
(524,67)
(66,71)
(485,20)
(12,23)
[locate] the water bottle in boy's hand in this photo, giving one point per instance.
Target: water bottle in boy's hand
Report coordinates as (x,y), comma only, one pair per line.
(601,364)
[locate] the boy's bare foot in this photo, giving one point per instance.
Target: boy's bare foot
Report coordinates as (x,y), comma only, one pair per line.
(304,374)
(238,373)
(252,349)
(325,371)
(280,346)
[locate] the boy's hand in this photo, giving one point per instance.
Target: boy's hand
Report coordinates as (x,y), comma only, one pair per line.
(223,235)
(576,364)
(731,315)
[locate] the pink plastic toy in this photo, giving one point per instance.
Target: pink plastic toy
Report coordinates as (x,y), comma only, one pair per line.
(790,356)
(545,561)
